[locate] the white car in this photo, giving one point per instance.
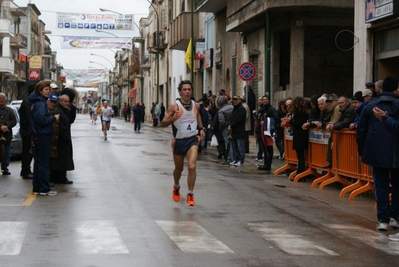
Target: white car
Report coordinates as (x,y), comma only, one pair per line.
(16,103)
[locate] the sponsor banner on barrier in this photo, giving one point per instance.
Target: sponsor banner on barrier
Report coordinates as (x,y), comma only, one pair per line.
(319,137)
(289,134)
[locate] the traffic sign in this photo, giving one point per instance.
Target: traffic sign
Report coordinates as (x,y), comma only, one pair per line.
(247,71)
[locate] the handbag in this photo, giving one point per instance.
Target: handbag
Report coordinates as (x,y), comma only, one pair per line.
(214,141)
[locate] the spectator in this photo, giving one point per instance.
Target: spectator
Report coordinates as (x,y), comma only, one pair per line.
(248,116)
(378,87)
(26,155)
(157,113)
(162,114)
(378,147)
(268,111)
(250,98)
(257,126)
(137,115)
(367,95)
(237,130)
(347,114)
(333,107)
(371,87)
(325,115)
(54,89)
(153,115)
(7,121)
(41,130)
(224,115)
(61,159)
(217,131)
(125,110)
(358,105)
(300,135)
(279,140)
(223,93)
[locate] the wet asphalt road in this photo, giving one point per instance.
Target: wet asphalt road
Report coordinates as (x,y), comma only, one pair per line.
(119,212)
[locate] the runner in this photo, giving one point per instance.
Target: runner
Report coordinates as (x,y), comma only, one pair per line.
(106,113)
(185,118)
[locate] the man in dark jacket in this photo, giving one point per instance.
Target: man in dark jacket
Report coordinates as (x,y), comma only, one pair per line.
(251,102)
(62,158)
(26,156)
(378,146)
(237,129)
(7,121)
(266,111)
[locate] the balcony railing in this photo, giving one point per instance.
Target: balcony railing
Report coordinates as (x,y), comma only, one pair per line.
(180,31)
(19,41)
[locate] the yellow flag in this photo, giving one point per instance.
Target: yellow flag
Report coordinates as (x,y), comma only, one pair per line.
(188,55)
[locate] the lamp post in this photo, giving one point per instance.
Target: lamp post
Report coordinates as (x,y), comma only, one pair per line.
(97,30)
(157,53)
(92,54)
(142,52)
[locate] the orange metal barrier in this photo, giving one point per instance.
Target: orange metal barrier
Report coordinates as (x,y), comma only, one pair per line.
(316,156)
(346,164)
(289,156)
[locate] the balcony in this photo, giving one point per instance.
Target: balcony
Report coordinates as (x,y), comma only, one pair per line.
(152,40)
(19,41)
(180,31)
(6,65)
(210,6)
(20,71)
(6,28)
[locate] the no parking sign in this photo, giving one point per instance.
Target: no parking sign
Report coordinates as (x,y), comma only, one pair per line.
(247,71)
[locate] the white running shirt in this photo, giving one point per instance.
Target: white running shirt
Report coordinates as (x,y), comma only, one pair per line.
(186,125)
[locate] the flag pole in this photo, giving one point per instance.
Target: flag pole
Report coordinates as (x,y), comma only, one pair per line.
(192,43)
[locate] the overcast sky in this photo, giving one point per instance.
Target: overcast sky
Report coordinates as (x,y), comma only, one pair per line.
(79,59)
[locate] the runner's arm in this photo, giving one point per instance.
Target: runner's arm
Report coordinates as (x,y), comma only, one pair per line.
(170,115)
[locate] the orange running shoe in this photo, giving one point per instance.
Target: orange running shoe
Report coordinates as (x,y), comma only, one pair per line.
(176,194)
(190,200)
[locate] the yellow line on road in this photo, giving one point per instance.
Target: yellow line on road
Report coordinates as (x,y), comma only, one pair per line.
(29,200)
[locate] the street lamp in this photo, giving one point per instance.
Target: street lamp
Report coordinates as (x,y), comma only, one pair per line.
(92,54)
(93,62)
(97,30)
(156,40)
(157,53)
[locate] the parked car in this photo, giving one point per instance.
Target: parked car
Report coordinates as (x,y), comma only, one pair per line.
(16,142)
(16,103)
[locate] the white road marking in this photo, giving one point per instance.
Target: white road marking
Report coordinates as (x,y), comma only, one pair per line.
(373,238)
(11,237)
(290,243)
(99,237)
(191,237)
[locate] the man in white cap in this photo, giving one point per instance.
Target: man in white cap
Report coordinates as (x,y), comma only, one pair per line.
(367,95)
(53,88)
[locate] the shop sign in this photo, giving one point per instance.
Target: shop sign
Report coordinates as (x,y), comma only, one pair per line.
(377,9)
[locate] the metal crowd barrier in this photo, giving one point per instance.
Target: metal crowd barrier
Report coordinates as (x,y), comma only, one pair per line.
(347,169)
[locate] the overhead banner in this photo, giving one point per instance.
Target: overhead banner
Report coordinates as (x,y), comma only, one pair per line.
(85,77)
(84,42)
(79,21)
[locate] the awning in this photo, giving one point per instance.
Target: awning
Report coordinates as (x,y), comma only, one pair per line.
(132,93)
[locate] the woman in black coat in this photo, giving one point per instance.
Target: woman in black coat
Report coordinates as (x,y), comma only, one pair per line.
(300,136)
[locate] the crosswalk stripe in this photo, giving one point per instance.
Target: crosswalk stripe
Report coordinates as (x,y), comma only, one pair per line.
(372,238)
(99,237)
(192,237)
(11,237)
(290,243)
